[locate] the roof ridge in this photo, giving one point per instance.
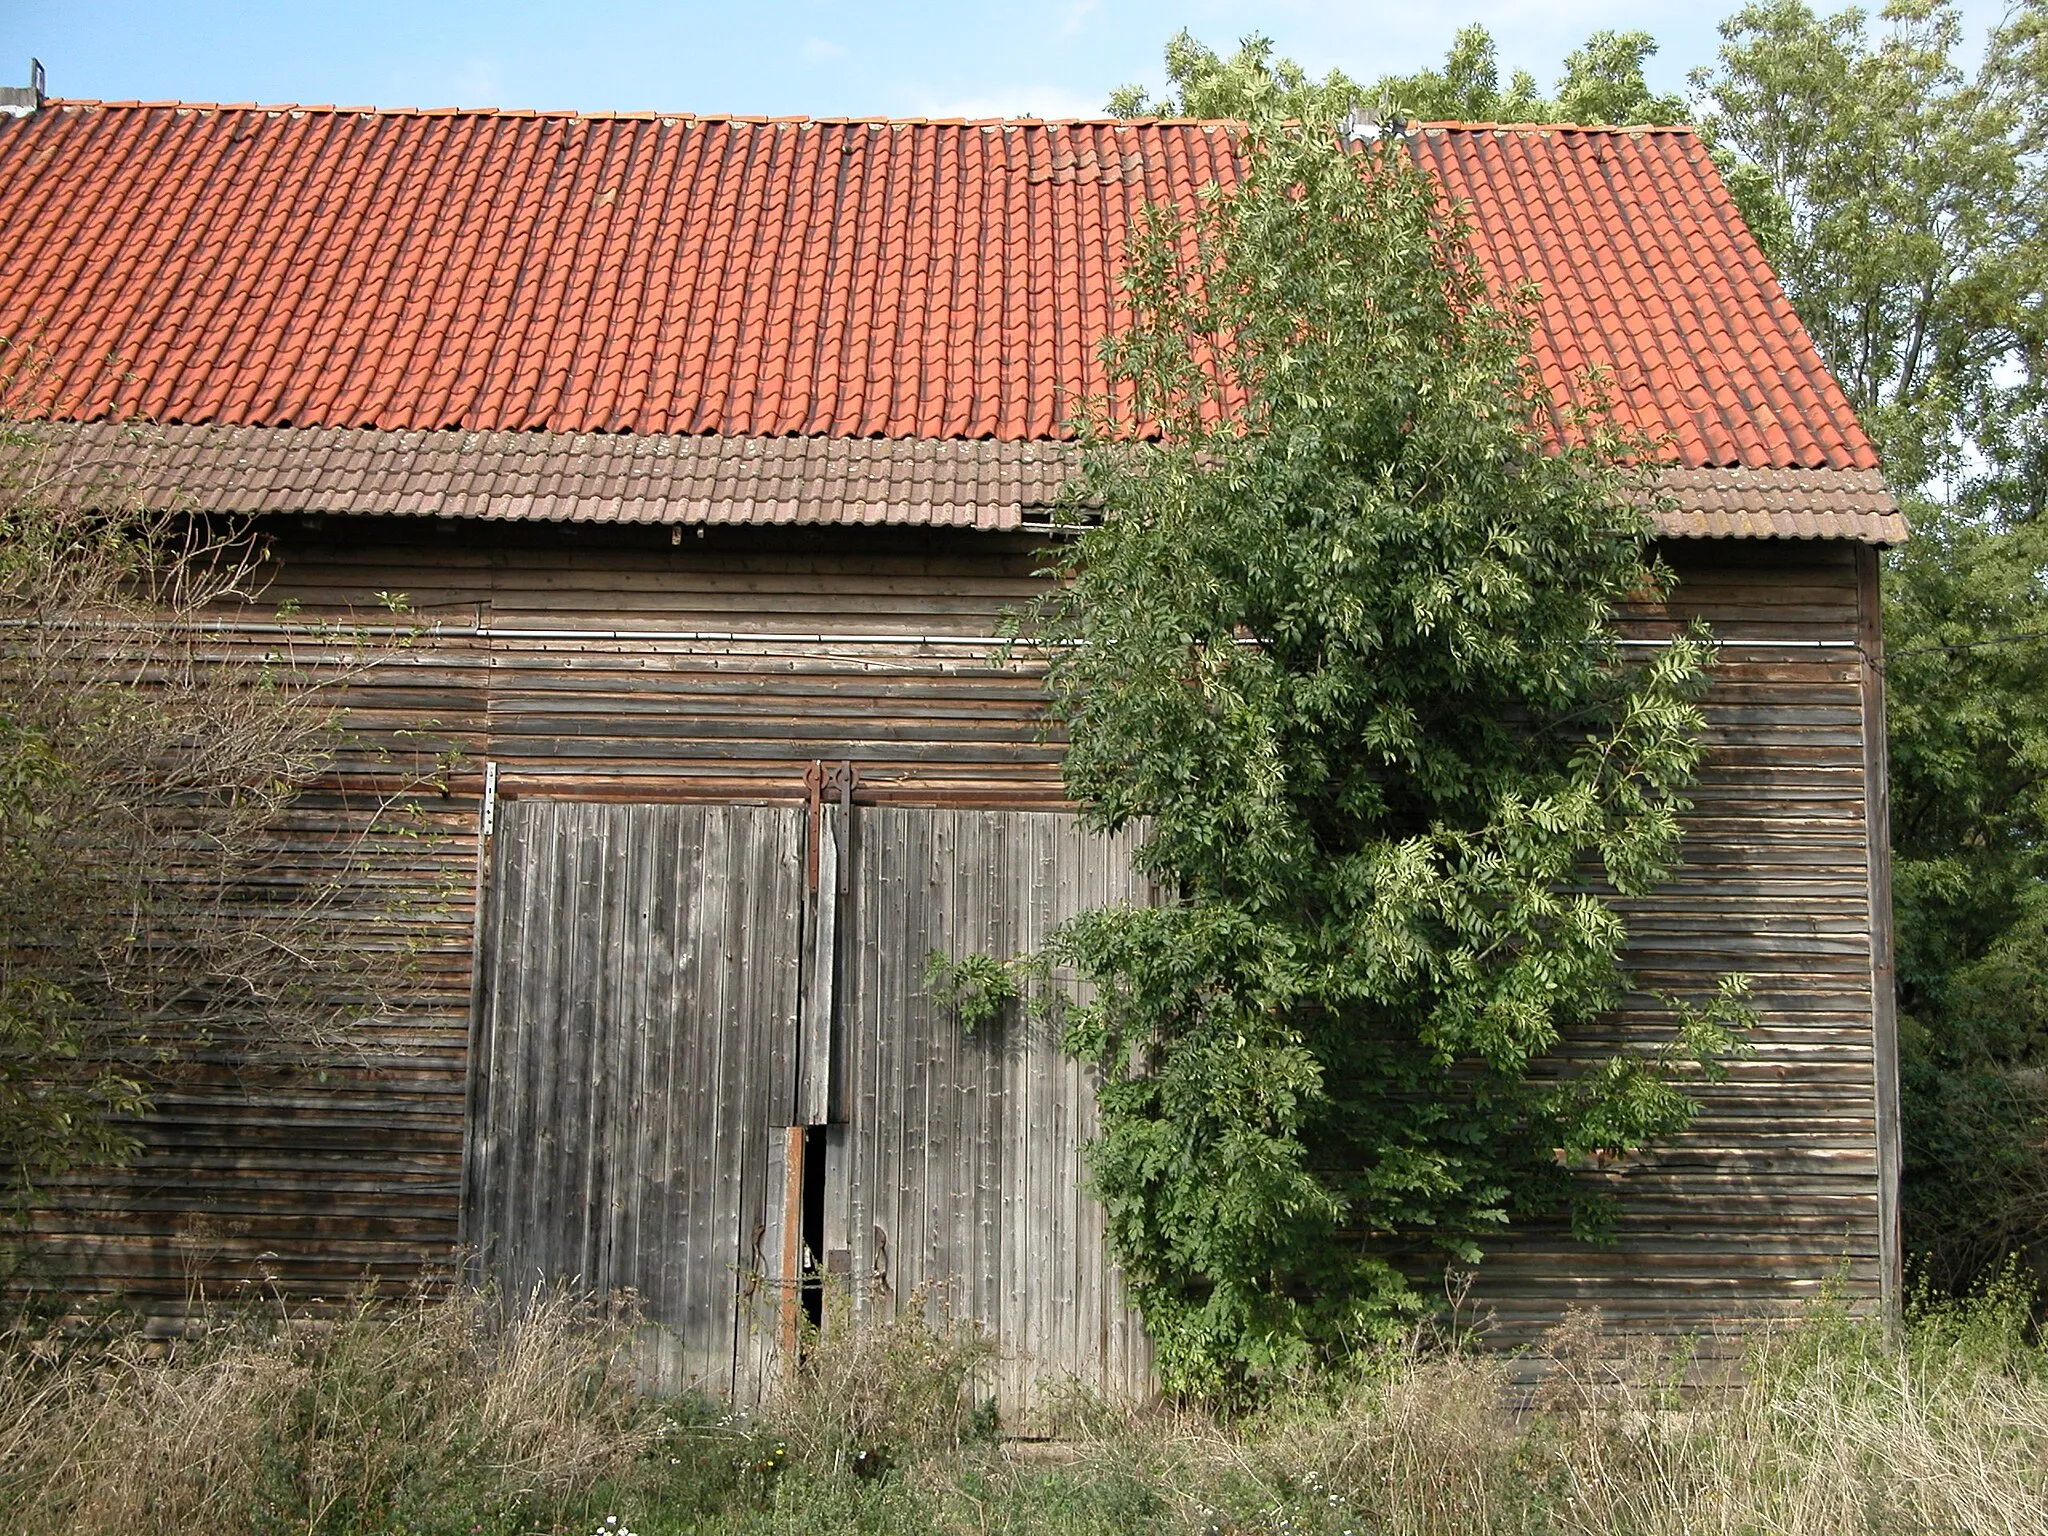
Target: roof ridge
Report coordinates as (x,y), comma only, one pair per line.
(805,120)
(749,118)
(1479,126)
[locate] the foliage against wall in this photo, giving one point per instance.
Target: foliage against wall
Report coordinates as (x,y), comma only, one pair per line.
(153,910)
(1343,634)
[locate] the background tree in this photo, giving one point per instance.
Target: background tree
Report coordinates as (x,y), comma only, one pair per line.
(1602,83)
(146,772)
(1343,634)
(1913,246)
(1900,195)
(1914,192)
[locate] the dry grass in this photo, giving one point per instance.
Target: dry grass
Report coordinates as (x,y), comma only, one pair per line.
(433,1417)
(1829,1431)
(867,1398)
(371,1420)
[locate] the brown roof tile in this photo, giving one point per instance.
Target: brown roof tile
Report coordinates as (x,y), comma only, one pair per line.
(918,482)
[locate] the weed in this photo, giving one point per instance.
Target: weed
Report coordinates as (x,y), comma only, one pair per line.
(444,1416)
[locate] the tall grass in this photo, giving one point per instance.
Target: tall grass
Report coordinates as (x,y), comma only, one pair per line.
(434,1416)
(1829,1430)
(426,1414)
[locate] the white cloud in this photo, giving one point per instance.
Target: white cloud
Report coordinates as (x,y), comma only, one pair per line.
(1014,101)
(820,50)
(478,83)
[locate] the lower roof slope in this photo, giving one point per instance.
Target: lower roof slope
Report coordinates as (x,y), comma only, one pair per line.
(578,477)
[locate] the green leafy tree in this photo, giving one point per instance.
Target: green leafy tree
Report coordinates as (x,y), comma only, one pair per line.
(1343,637)
(1969,740)
(1249,83)
(1602,83)
(1912,190)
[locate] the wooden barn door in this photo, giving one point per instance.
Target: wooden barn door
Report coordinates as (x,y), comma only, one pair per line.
(954,1174)
(637,1023)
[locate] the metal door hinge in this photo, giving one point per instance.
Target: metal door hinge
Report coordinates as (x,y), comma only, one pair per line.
(490,797)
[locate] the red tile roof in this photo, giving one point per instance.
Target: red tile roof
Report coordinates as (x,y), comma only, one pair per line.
(324,267)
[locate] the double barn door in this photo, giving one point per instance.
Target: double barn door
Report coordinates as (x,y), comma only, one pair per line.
(706,1066)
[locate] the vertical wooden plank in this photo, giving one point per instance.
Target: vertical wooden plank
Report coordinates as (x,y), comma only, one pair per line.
(1884,1014)
(758,1343)
(718,1130)
(672,856)
(633,1179)
(757,1083)
(790,1268)
(621,947)
(474,1110)
(539,982)
(935,1098)
(1040,1233)
(746,1108)
(894,1030)
(774,969)
(564,1131)
(883,1038)
(1023,1234)
(980,1196)
(934,1101)
(859,1061)
(769,974)
(707,1230)
(713,1248)
(782,913)
(814,1050)
(484,1175)
(837,1260)
(529,1149)
(1066,1268)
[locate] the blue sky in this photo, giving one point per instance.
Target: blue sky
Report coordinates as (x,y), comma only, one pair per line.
(876,58)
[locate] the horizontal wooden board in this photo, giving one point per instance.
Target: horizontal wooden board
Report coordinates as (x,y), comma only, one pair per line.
(618,667)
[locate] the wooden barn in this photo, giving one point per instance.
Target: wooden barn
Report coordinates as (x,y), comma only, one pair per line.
(708,453)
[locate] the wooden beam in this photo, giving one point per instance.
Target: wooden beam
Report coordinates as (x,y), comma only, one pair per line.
(792,1276)
(1884,1009)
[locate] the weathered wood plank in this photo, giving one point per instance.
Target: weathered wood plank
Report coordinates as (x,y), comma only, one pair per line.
(820,985)
(973,1142)
(636,1031)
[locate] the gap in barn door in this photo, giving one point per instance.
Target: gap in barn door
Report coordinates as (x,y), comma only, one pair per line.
(814,1228)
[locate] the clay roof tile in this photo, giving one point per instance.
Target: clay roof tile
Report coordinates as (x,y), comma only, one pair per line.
(633,273)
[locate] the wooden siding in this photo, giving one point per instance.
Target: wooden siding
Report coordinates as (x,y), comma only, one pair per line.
(311,1177)
(614,664)
(1771,1196)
